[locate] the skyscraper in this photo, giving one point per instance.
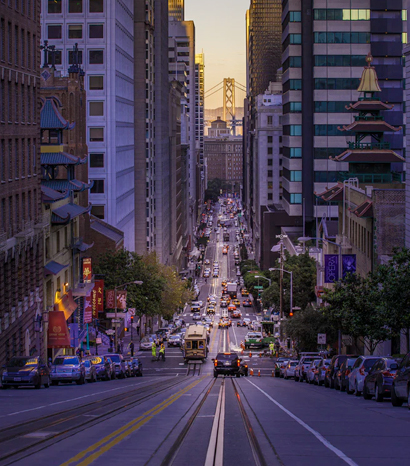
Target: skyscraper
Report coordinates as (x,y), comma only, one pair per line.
(176,10)
(199,122)
(324,50)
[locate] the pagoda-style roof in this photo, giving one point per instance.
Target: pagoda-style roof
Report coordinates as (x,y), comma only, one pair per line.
(364,210)
(335,193)
(61,158)
(64,214)
(81,246)
(369,106)
(369,126)
(70,185)
(369,156)
(50,116)
(369,81)
(50,195)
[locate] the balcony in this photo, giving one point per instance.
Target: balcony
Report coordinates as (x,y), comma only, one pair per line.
(368,145)
(372,178)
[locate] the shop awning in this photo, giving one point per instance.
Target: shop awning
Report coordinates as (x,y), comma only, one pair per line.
(66,304)
(58,334)
(53,268)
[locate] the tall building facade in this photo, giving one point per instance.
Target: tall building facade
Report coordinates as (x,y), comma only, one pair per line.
(21,222)
(103,31)
(325,45)
(199,123)
(176,9)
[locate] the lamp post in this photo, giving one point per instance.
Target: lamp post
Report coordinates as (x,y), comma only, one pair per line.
(304,239)
(291,287)
(268,279)
(135,282)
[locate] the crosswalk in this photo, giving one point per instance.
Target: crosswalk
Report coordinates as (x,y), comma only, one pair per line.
(216,315)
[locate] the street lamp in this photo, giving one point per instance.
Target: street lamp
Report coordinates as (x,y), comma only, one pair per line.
(304,239)
(135,282)
(261,276)
(291,287)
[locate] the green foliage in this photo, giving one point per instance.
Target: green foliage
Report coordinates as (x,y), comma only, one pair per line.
(243,252)
(304,326)
(214,189)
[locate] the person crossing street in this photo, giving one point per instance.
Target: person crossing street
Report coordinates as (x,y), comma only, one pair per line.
(154,350)
(161,353)
(271,349)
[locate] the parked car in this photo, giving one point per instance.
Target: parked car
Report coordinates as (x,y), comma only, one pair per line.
(333,368)
(241,323)
(319,376)
(118,360)
(280,363)
(25,371)
(67,369)
(247,303)
(146,344)
(174,340)
(103,367)
(313,368)
(289,370)
(360,369)
(343,373)
(400,390)
(379,380)
(306,360)
(136,367)
(90,371)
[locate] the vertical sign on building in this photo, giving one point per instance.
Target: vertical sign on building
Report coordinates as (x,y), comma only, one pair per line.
(110,299)
(99,285)
(94,306)
(88,310)
(87,270)
(331,268)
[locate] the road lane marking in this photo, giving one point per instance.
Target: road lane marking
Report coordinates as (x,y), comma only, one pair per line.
(101,447)
(319,436)
(214,454)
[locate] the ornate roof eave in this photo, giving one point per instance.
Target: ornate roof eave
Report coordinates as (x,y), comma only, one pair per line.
(364,210)
(51,195)
(50,116)
(369,156)
(372,126)
(61,158)
(335,193)
(71,185)
(58,219)
(369,105)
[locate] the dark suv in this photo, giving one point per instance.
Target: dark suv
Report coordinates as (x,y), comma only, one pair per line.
(229,364)
(331,380)
(400,390)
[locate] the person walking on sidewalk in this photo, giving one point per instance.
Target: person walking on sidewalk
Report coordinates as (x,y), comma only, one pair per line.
(161,353)
(154,350)
(132,348)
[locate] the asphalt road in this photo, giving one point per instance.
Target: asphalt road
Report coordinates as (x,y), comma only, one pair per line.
(166,417)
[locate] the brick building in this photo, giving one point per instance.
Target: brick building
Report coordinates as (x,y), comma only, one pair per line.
(21,226)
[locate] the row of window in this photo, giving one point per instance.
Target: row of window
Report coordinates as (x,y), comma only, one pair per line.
(292,152)
(292,85)
(331,107)
(75,31)
(340,60)
(345,14)
(342,37)
(17,158)
(337,83)
(75,6)
(17,103)
(330,130)
(15,211)
(95,57)
(292,130)
(292,107)
(292,17)
(292,62)
(25,7)
(17,46)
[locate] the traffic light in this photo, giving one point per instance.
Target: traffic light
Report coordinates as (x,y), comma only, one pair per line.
(291,313)
(132,320)
(125,329)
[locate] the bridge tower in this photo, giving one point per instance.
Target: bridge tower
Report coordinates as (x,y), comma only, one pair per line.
(229,99)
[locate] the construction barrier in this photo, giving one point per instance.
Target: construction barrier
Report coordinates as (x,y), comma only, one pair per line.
(251,372)
(259,373)
(273,373)
(250,354)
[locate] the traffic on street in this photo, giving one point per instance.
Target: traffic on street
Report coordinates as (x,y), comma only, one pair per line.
(209,389)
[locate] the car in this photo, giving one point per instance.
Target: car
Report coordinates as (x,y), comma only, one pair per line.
(334,366)
(104,367)
(241,323)
(146,344)
(174,340)
(319,376)
(236,302)
(238,273)
(360,369)
(196,316)
(207,274)
(224,251)
(313,368)
(207,262)
(216,264)
(280,363)
(90,371)
(247,321)
(289,370)
(231,308)
(236,314)
(343,373)
(224,322)
(224,283)
(244,292)
(209,322)
(223,303)
(247,303)
(229,364)
(305,361)
(67,369)
(253,339)
(210,309)
(215,274)
(119,364)
(379,380)
(400,390)
(26,371)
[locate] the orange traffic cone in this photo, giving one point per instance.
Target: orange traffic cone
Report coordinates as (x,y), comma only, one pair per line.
(242,352)
(251,373)
(259,373)
(273,373)
(260,355)
(250,354)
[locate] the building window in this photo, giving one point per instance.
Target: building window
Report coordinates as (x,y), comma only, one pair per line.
(270,139)
(270,173)
(337,83)
(96,31)
(296,175)
(295,16)
(270,162)
(342,37)
(96,134)
(345,14)
(54,6)
(340,60)
(270,150)
(326,176)
(75,31)
(292,107)
(71,57)
(96,57)
(97,187)
(75,6)
(96,108)
(96,6)
(96,83)
(98,211)
(54,31)
(270,120)
(58,57)
(292,130)
(96,160)
(331,107)
(296,198)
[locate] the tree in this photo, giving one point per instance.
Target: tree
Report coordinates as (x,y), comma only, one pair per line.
(214,189)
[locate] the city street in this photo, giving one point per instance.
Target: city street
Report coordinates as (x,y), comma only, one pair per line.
(167,417)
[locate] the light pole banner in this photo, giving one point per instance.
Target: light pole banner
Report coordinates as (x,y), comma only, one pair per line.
(110,299)
(349,264)
(331,268)
(121,299)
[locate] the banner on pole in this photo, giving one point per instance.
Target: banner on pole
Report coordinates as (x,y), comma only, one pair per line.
(348,264)
(331,268)
(110,299)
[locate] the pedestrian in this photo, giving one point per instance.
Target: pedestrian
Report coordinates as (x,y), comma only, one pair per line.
(271,348)
(154,350)
(161,353)
(132,348)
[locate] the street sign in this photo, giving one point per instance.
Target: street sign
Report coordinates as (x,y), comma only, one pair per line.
(110,332)
(98,341)
(321,338)
(258,287)
(111,315)
(131,311)
(116,321)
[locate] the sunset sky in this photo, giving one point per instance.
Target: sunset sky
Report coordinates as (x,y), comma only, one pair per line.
(220,34)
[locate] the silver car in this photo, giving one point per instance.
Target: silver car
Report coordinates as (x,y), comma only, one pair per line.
(313,368)
(67,369)
(360,369)
(90,371)
(146,344)
(290,369)
(319,376)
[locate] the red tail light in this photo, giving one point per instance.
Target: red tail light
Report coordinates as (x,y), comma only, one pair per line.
(239,363)
(347,371)
(362,370)
(303,368)
(216,362)
(387,374)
